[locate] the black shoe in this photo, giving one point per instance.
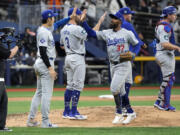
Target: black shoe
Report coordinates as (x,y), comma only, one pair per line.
(6,129)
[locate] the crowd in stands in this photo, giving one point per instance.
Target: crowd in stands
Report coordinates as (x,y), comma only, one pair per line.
(9,8)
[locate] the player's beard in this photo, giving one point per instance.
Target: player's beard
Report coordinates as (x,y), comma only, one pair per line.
(113,26)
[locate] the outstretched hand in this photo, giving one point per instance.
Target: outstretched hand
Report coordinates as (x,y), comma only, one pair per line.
(74,13)
(101,20)
(83,16)
(97,27)
(144,46)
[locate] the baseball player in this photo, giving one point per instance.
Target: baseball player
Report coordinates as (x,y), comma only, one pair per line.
(127,109)
(117,40)
(73,37)
(165,57)
(44,68)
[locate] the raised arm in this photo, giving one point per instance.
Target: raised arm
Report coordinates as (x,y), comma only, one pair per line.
(91,32)
(64,21)
(101,20)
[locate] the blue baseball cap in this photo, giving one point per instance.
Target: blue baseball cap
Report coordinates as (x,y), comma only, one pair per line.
(126,11)
(78,11)
(168,11)
(48,13)
(118,15)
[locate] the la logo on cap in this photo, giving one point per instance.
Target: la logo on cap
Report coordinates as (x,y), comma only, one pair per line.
(125,11)
(49,14)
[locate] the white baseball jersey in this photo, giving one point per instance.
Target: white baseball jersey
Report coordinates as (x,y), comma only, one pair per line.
(45,38)
(165,58)
(73,37)
(117,42)
(163,37)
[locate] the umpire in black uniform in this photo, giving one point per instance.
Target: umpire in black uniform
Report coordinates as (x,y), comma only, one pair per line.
(4,54)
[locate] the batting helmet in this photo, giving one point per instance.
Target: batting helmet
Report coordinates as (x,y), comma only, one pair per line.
(168,11)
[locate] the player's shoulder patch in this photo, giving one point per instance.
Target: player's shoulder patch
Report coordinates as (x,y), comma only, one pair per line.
(83,31)
(42,40)
(167,28)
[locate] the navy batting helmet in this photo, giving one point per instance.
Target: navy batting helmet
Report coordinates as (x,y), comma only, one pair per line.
(168,11)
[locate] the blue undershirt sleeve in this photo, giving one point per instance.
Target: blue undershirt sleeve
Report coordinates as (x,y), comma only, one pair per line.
(61,22)
(89,30)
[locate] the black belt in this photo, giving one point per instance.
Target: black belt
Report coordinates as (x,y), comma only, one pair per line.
(77,53)
(116,62)
(50,58)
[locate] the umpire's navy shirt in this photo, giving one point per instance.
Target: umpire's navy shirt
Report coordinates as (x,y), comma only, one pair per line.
(4,54)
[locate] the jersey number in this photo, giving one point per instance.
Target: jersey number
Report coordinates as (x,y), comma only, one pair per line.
(120,48)
(67,42)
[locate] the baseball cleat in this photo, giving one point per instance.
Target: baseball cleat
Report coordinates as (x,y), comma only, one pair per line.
(156,104)
(171,108)
(118,119)
(124,111)
(168,108)
(77,117)
(130,117)
(161,108)
(5,129)
(65,115)
(50,125)
(32,123)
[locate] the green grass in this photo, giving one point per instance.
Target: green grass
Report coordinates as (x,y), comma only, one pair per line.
(15,107)
(23,106)
(95,131)
(94,93)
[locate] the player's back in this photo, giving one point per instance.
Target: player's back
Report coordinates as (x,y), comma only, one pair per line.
(45,38)
(73,37)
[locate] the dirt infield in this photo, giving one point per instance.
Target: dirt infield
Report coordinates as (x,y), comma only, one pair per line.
(147,116)
(103,116)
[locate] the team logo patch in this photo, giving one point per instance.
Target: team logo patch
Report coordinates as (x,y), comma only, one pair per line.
(42,41)
(83,32)
(166,37)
